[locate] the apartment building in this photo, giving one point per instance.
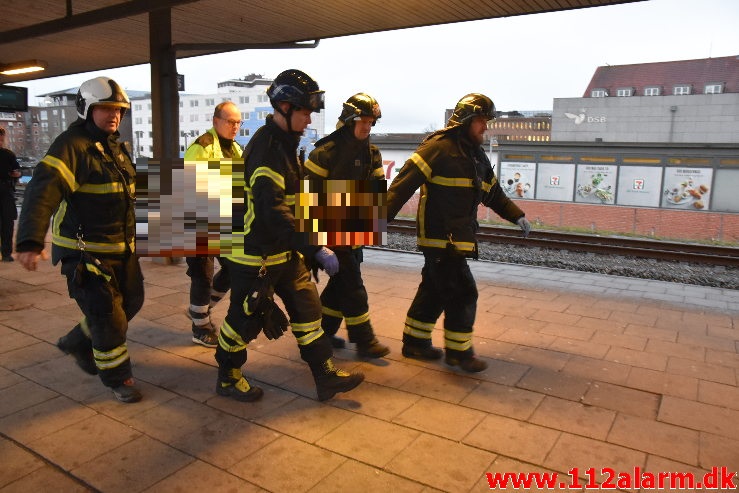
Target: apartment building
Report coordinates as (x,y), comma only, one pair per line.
(196,114)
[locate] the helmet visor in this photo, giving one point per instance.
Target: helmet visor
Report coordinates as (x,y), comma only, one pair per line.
(316,99)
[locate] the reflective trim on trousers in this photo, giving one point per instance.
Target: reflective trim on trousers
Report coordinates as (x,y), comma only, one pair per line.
(418,329)
(307,332)
(85,327)
(331,313)
(106,360)
(228,334)
(459,341)
(359,319)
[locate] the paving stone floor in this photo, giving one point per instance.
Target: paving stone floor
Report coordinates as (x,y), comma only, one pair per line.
(585,371)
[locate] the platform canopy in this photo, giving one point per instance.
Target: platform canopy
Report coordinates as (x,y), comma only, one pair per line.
(76,36)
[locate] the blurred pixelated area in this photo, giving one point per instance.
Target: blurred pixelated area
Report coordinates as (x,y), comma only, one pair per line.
(342,212)
(187,208)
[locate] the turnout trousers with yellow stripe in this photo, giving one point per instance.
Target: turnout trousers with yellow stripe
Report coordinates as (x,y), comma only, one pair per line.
(109,295)
(446,286)
(345,297)
(291,282)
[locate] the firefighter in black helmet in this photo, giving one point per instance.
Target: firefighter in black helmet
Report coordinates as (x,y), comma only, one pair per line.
(87,180)
(347,154)
(455,176)
(273,250)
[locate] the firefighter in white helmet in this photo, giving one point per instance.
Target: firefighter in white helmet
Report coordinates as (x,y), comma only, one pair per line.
(87,181)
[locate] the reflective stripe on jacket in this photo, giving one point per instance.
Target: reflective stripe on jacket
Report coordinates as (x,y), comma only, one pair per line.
(207,146)
(87,181)
(271,180)
(455,176)
(340,156)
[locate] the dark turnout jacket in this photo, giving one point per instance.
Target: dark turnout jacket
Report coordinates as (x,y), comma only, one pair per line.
(455,176)
(87,181)
(341,156)
(271,182)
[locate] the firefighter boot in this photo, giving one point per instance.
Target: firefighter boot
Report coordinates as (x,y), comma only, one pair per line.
(372,349)
(330,326)
(466,360)
(337,342)
(425,352)
(127,392)
(82,356)
(331,380)
(236,386)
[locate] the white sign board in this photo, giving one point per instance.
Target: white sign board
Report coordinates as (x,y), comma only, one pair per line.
(639,185)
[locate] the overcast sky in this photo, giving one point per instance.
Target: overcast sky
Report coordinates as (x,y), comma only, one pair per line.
(521,62)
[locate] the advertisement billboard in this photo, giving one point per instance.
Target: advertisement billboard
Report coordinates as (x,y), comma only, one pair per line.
(518,180)
(596,183)
(639,185)
(687,188)
(555,181)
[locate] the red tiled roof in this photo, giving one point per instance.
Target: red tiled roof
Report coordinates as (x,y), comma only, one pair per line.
(666,75)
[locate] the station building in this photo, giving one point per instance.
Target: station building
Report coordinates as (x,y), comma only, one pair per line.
(649,149)
(688,101)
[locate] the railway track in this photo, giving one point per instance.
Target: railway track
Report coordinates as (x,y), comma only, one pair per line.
(605,245)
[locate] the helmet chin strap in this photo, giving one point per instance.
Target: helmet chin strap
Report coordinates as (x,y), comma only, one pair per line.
(287,115)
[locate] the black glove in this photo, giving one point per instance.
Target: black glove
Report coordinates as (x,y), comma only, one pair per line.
(274,321)
(91,268)
(259,296)
(260,306)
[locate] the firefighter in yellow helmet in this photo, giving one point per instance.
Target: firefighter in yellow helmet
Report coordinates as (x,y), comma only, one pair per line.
(455,176)
(87,181)
(347,154)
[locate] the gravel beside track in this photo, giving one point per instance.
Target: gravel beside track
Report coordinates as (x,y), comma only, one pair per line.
(681,272)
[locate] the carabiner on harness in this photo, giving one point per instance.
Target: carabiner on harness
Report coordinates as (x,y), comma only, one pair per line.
(80,242)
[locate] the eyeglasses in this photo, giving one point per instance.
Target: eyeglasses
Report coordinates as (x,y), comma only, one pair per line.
(235,123)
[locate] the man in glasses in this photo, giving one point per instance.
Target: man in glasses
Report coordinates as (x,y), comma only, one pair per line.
(207,288)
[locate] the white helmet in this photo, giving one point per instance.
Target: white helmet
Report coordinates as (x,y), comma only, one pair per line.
(101,90)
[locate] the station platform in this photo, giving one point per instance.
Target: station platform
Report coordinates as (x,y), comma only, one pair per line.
(585,370)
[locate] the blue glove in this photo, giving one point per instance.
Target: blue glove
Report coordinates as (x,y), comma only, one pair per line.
(328,260)
(525,226)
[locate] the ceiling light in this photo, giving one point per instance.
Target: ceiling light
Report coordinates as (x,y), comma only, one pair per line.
(24,67)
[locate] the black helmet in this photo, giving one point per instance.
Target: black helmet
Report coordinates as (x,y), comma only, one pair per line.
(470,106)
(101,90)
(361,104)
(297,88)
